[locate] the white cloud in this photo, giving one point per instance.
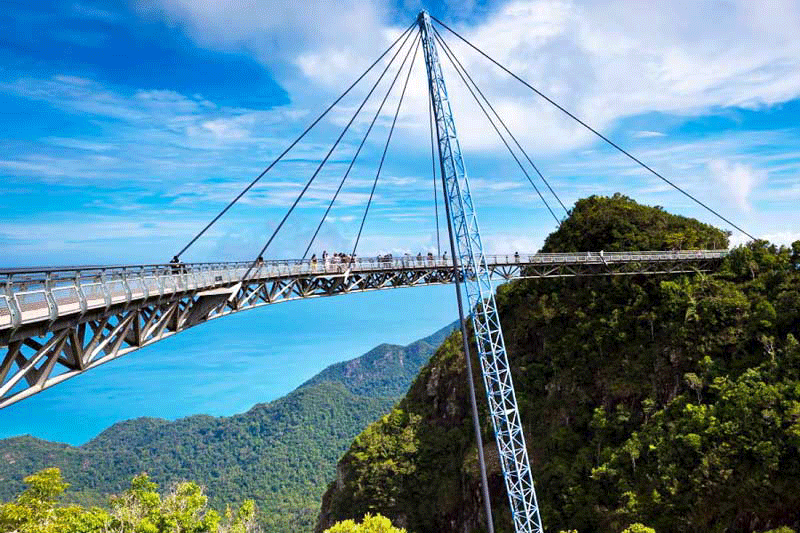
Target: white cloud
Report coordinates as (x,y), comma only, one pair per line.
(79,144)
(149,134)
(738,239)
(72,80)
(780,238)
(645,134)
(277,32)
(737,179)
(225,129)
(785,238)
(609,59)
(510,243)
(93,13)
(603,59)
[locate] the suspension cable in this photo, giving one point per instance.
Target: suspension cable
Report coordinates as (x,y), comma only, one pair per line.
(591,129)
(319,168)
(386,148)
(435,184)
(292,145)
(358,151)
(497,130)
(499,118)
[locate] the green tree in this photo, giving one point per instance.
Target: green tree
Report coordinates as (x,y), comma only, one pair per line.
(36,509)
(141,509)
(638,528)
(371,524)
(242,520)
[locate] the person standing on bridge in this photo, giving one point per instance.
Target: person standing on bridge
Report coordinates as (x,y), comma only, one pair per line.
(313,262)
(516,257)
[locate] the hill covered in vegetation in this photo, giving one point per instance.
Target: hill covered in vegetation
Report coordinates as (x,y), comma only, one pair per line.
(386,370)
(669,402)
(280,454)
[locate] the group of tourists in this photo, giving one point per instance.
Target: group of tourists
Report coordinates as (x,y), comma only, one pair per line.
(347,259)
(341,260)
(341,257)
(409,259)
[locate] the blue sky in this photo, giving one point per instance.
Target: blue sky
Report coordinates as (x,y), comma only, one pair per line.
(125,126)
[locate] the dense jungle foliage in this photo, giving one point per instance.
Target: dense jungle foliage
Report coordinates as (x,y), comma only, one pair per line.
(668,404)
(281,454)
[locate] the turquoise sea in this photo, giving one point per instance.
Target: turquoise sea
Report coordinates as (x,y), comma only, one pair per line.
(228,365)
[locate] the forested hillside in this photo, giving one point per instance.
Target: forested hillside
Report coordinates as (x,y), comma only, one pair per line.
(386,370)
(281,454)
(672,402)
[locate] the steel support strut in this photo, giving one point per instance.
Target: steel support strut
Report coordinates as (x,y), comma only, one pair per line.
(480,295)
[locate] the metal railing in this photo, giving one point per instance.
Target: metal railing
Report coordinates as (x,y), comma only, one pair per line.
(606,257)
(30,295)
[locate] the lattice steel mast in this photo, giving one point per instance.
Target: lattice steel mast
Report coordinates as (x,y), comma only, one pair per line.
(466,240)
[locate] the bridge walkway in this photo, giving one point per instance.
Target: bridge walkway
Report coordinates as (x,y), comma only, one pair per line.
(59,322)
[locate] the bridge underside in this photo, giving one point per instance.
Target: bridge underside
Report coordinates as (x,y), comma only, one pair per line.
(61,339)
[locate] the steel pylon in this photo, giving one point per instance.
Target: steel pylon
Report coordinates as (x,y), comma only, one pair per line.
(480,295)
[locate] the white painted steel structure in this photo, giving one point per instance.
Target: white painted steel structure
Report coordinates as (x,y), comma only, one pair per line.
(56,323)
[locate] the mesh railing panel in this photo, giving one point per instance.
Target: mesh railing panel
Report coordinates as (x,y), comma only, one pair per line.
(66,299)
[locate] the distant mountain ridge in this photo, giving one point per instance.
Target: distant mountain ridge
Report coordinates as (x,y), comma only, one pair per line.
(282,453)
(386,370)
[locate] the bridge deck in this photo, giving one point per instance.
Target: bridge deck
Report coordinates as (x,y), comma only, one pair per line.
(59,322)
(43,294)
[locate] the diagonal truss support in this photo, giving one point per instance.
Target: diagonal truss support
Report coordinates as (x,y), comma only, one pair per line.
(480,295)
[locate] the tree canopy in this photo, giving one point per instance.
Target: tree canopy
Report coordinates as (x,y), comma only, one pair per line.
(620,224)
(371,524)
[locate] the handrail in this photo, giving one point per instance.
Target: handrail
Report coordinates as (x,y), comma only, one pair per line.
(359,261)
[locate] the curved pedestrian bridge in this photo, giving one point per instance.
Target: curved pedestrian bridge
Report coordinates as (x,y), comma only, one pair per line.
(58,322)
